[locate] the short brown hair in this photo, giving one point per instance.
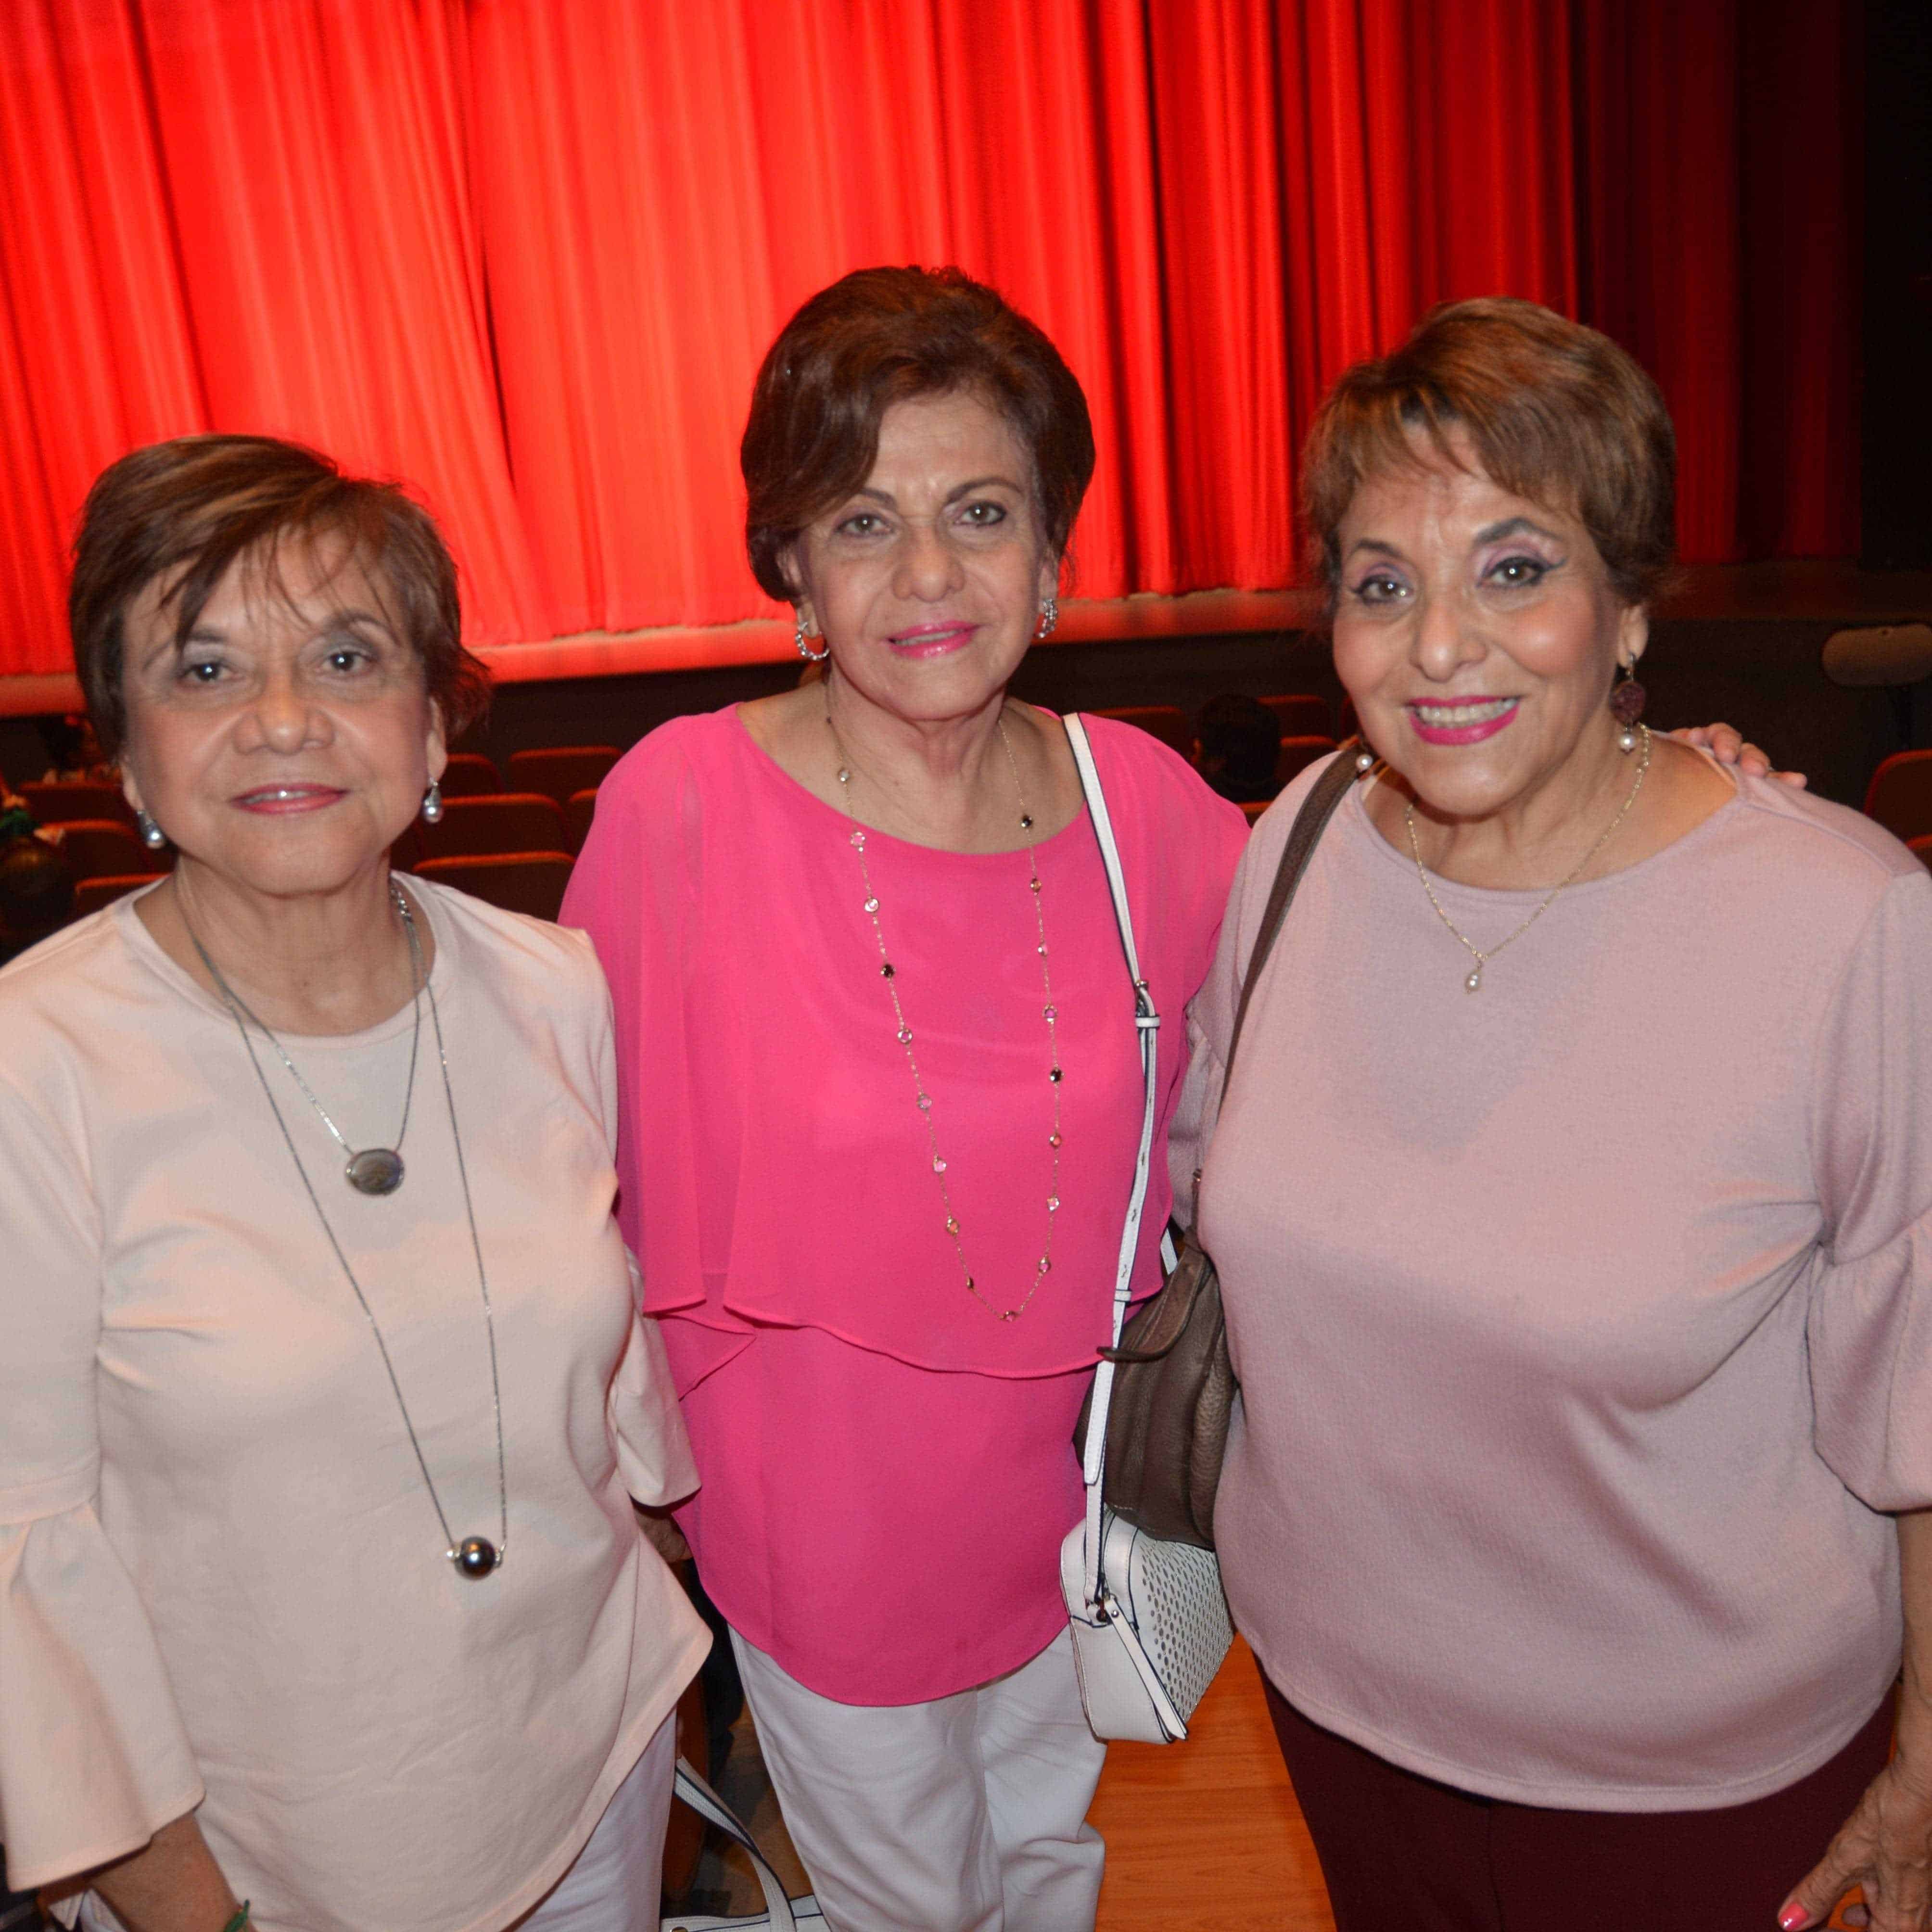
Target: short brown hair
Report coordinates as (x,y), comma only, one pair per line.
(189,509)
(881,336)
(1554,412)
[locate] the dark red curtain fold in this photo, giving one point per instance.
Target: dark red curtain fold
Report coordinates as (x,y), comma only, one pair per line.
(525,255)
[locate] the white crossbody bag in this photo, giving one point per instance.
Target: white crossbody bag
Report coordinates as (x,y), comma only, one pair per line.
(1149,1622)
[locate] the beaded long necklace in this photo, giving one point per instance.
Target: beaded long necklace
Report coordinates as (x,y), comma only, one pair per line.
(921,1099)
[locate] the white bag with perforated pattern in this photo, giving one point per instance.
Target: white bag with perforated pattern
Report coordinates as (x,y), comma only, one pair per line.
(1149,1622)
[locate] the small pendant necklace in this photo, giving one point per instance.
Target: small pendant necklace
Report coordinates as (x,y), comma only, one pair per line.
(475,1557)
(1473,983)
(921,1097)
(370,1170)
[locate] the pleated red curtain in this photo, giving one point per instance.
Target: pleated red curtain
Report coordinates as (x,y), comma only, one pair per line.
(525,255)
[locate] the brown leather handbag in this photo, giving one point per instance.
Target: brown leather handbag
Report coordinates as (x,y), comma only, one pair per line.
(1174,1384)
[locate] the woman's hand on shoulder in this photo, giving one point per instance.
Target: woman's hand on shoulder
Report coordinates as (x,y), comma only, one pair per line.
(1885,1848)
(1726,743)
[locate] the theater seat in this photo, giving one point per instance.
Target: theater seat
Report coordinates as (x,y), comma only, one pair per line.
(1301,716)
(1900,795)
(531,882)
(468,773)
(60,804)
(1255,807)
(1168,723)
(578,813)
(1922,848)
(504,821)
(91,895)
(100,848)
(1297,754)
(559,772)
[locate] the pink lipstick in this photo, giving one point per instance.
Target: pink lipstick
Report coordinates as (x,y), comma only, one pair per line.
(281,800)
(1465,721)
(932,641)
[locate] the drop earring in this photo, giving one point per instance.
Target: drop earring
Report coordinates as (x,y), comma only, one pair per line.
(432,804)
(152,836)
(1627,703)
(1049,615)
(798,637)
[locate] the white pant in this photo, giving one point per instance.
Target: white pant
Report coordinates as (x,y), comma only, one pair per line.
(966,1814)
(615,1884)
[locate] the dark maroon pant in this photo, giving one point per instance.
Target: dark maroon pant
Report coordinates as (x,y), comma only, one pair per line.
(1401,1853)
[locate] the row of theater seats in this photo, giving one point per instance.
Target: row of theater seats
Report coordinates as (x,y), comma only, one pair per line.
(1309,731)
(1899,798)
(514,846)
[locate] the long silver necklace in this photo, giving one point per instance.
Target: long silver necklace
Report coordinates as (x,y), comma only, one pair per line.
(1474,983)
(475,1557)
(922,1098)
(370,1170)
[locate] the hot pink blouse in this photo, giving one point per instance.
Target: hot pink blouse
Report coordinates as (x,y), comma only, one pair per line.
(887,1467)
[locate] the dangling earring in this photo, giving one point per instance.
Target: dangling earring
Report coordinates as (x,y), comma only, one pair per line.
(1049,615)
(432,804)
(798,637)
(1627,702)
(152,836)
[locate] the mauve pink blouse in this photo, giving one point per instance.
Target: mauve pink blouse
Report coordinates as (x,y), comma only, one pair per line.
(1584,1324)
(887,1468)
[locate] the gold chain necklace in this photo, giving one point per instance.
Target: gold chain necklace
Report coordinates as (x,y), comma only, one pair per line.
(1474,983)
(923,1100)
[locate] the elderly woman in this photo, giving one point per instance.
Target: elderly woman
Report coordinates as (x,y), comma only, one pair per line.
(324,1399)
(882,1096)
(1570,1202)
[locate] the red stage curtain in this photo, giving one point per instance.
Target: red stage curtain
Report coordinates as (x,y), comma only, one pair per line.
(525,255)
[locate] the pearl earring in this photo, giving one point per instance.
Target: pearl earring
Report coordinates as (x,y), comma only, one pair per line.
(432,804)
(152,836)
(1627,703)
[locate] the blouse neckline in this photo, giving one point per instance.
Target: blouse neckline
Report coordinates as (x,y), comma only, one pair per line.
(1365,826)
(790,787)
(142,943)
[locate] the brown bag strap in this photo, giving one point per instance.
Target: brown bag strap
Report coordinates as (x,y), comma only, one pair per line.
(1317,809)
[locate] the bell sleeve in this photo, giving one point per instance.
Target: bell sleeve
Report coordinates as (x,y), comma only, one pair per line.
(94,1756)
(1869,1320)
(653,1452)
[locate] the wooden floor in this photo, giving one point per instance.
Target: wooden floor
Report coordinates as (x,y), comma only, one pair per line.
(1204,1836)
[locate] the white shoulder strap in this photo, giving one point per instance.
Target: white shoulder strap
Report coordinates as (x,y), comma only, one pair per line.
(1147,1021)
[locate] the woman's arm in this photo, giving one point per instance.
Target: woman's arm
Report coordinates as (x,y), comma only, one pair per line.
(174,1885)
(1886,1845)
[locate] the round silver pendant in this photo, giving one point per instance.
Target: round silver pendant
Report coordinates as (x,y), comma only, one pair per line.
(475,1556)
(375,1171)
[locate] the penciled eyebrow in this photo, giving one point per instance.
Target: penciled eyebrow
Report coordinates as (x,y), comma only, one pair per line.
(952,496)
(1512,527)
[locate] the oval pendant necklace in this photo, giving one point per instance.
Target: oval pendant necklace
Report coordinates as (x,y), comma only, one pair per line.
(475,1557)
(370,1170)
(921,1099)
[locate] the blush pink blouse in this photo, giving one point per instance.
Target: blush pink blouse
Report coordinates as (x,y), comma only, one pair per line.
(887,1467)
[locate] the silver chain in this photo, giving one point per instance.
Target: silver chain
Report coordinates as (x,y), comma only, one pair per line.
(235,999)
(923,1099)
(235,1011)
(1474,982)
